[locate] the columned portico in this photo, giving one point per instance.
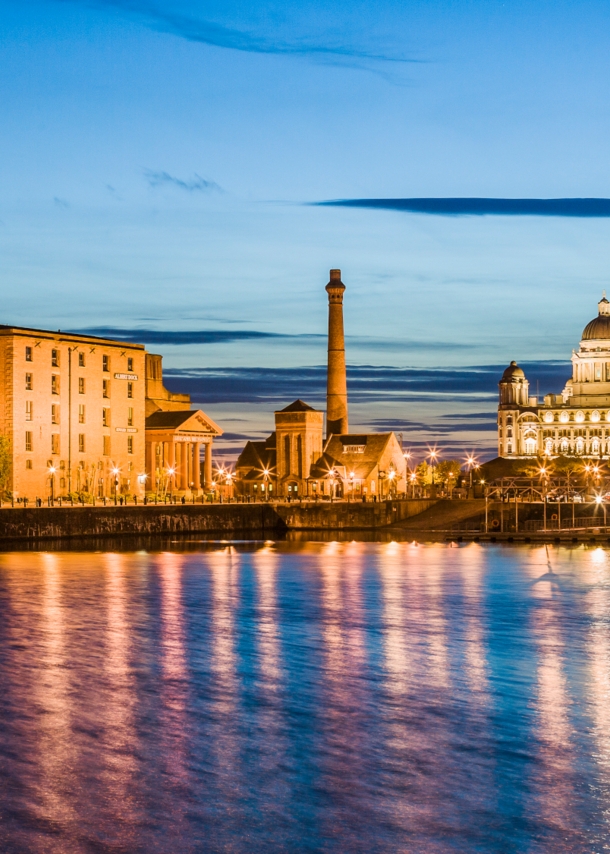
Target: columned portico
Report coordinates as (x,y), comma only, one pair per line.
(180,434)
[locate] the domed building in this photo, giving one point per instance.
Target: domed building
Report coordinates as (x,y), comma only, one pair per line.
(573,423)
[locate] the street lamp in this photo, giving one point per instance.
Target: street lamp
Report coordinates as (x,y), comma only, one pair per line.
(170,474)
(600,500)
(352,475)
(391,476)
(115,472)
(407,455)
(433,456)
(52,471)
(332,475)
(265,484)
(471,463)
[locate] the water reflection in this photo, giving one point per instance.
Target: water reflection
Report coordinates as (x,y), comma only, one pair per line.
(173,664)
(52,684)
(334,696)
(120,694)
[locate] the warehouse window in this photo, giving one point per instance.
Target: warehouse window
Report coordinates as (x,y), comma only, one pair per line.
(28,441)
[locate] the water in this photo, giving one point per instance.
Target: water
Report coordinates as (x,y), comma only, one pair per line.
(365,697)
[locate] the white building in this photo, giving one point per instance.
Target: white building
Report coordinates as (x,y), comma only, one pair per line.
(573,423)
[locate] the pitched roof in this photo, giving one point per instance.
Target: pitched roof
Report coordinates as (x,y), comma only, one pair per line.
(171,420)
(361,462)
(258,456)
(298,406)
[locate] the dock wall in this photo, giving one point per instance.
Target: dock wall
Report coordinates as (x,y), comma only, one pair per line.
(47,523)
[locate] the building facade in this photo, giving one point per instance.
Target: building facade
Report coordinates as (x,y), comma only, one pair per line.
(573,423)
(74,410)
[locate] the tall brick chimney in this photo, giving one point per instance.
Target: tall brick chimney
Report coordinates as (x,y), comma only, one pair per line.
(336,380)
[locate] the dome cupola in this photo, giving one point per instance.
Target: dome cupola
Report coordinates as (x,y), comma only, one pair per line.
(599,328)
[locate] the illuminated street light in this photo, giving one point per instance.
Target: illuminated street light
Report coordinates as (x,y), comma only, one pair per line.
(52,471)
(115,472)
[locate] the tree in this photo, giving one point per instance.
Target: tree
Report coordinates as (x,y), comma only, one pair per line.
(448,472)
(5,464)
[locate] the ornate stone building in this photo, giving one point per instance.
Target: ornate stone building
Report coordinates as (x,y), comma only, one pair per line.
(573,423)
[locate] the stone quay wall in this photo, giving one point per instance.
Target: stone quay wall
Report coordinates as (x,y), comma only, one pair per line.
(268,520)
(351,516)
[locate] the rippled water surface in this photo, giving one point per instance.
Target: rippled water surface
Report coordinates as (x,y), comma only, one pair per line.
(312,697)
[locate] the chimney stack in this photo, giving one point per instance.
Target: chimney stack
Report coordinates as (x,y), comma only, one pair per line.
(336,380)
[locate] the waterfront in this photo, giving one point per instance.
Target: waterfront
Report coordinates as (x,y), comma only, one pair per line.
(306,697)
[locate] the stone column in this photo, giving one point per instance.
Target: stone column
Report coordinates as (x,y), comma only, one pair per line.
(151,460)
(171,463)
(183,467)
(336,379)
(196,466)
(207,466)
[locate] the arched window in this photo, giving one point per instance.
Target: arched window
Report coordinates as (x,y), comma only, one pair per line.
(564,446)
(287,454)
(300,455)
(580,446)
(530,445)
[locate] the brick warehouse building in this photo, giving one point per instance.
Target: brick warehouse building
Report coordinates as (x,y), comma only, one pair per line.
(74,408)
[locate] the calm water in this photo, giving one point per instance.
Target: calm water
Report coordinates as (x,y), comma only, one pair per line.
(322,697)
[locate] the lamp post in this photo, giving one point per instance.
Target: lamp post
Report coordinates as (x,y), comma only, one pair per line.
(115,473)
(265,483)
(352,475)
(599,500)
(391,476)
(471,463)
(52,471)
(170,482)
(407,456)
(433,457)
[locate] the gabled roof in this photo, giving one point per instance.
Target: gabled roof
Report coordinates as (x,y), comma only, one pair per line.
(190,420)
(298,406)
(258,456)
(361,463)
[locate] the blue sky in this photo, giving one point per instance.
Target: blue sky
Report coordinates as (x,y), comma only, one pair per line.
(160,164)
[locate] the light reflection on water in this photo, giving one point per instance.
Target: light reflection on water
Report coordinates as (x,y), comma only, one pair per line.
(306,697)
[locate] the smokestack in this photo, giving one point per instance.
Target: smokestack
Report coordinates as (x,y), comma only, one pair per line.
(336,380)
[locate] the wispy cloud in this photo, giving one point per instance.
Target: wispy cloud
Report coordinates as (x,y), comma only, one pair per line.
(182,337)
(162,18)
(366,384)
(193,185)
(60,203)
(482,206)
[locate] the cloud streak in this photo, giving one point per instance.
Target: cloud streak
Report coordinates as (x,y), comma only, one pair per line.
(195,184)
(588,208)
(178,338)
(159,17)
(366,384)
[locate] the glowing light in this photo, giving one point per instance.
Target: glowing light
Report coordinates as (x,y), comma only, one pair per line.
(598,499)
(52,470)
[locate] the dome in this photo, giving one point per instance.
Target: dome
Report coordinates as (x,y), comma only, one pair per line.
(600,326)
(513,372)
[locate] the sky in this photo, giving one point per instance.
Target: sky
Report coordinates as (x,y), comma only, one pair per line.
(192,170)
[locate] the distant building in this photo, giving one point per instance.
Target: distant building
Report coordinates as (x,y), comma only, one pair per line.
(573,423)
(296,460)
(74,411)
